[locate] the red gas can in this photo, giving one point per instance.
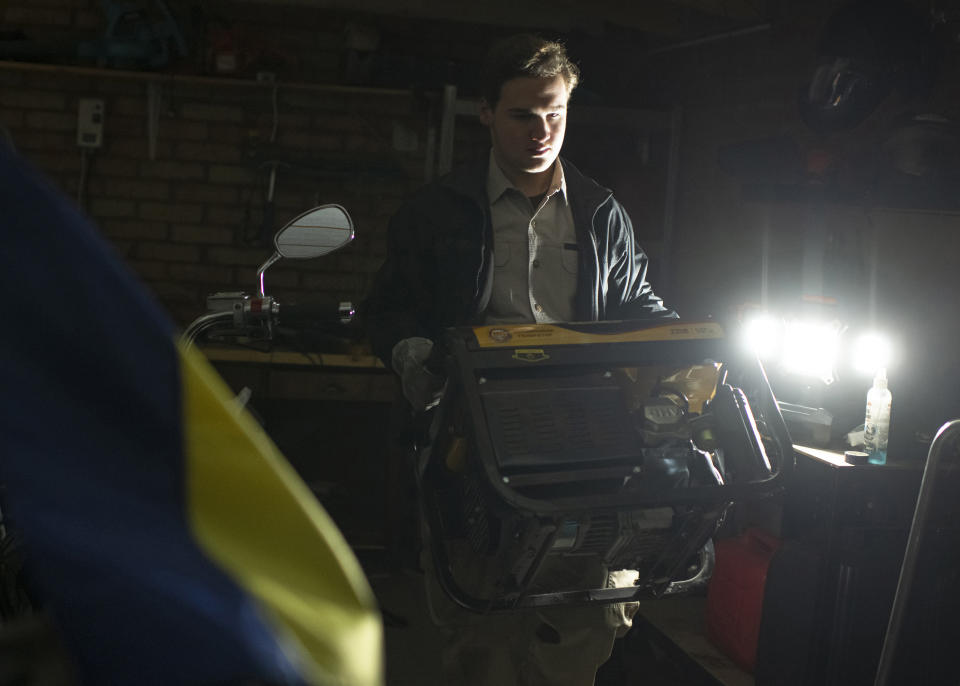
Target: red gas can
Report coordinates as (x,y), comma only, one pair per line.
(735,594)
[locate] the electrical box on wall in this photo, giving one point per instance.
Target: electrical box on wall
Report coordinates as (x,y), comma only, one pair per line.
(90,123)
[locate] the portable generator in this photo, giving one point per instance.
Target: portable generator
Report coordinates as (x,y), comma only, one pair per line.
(560,449)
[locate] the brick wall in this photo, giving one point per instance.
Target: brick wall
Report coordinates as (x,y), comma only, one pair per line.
(189,220)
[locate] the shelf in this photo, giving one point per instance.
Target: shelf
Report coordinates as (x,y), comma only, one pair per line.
(291,358)
(190,79)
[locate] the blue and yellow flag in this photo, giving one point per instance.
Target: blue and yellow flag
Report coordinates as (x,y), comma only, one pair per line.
(170,540)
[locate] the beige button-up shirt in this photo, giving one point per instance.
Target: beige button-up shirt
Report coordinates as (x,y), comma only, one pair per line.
(536,256)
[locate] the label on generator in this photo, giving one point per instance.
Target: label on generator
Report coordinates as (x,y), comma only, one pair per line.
(530,355)
(513,336)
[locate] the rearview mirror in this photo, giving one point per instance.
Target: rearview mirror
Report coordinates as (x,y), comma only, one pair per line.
(315,233)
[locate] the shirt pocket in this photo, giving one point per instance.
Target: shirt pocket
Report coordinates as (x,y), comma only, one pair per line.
(570,258)
(501,255)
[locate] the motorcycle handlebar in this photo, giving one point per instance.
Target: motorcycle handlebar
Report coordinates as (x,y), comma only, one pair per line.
(316,313)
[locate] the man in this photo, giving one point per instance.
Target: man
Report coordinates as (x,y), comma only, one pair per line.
(457,251)
(519,237)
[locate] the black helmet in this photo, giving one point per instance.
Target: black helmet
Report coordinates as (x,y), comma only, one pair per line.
(868,49)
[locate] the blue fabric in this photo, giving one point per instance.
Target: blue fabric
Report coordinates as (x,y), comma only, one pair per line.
(91,460)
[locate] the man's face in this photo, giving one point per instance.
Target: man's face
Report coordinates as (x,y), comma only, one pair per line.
(527,125)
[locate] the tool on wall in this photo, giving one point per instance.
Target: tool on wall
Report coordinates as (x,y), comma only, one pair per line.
(271,166)
(90,117)
(138,34)
(268,202)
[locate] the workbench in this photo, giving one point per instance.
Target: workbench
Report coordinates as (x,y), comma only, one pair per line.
(329,413)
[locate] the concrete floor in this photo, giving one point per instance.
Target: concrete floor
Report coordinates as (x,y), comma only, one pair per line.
(412,640)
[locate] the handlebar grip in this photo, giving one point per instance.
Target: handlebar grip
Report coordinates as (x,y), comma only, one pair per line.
(316,313)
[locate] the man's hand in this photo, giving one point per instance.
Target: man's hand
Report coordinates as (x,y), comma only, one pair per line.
(421,388)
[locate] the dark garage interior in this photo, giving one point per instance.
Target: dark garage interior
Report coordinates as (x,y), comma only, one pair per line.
(795,160)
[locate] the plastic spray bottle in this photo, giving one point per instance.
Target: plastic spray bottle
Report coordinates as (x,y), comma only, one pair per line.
(876,426)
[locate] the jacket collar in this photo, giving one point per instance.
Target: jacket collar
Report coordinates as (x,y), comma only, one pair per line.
(583,189)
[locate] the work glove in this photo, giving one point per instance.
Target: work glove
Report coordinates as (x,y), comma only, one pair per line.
(421,388)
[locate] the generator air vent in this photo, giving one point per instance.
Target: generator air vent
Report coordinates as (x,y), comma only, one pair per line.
(542,427)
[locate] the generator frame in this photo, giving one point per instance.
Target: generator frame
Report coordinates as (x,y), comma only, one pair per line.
(539,500)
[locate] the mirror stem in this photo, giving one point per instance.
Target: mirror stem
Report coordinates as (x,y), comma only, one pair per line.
(263,268)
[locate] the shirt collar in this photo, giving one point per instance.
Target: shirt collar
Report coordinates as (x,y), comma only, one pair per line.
(498,183)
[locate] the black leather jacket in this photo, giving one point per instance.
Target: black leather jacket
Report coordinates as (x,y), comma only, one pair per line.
(439,266)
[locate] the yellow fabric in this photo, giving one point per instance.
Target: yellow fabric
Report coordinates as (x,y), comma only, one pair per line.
(253,516)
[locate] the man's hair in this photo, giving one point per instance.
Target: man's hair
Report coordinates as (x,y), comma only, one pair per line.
(525,55)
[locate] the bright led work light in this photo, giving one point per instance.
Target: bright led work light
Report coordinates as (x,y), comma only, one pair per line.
(872,351)
(800,347)
(811,349)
